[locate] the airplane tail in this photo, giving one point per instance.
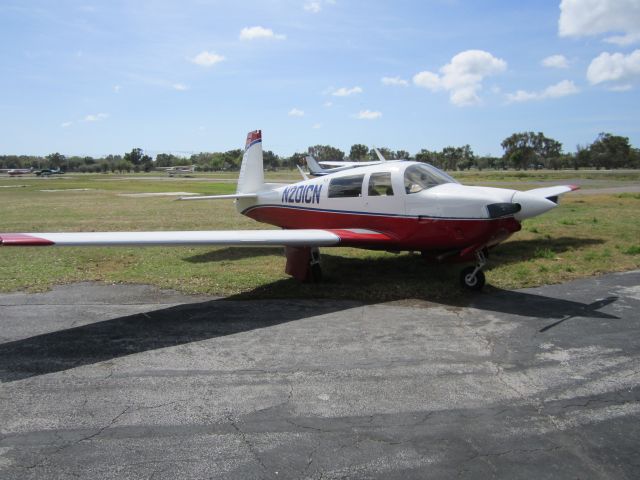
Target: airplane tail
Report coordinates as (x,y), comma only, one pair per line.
(251,179)
(314,167)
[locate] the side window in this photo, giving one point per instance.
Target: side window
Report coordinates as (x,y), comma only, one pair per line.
(346,186)
(380,184)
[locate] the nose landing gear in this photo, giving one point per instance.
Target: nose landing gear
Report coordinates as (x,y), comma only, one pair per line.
(472,278)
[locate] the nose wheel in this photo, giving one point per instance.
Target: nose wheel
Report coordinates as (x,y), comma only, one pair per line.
(472,278)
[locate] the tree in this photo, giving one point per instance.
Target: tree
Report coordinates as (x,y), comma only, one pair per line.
(358,152)
(467,158)
(528,149)
(387,153)
(167,160)
(293,160)
(451,157)
(139,160)
(326,153)
(270,160)
(56,160)
(427,156)
(402,154)
(610,151)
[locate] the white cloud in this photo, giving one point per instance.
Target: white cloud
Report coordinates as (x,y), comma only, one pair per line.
(313,6)
(394,81)
(622,70)
(316,125)
(95,117)
(555,61)
(580,18)
(255,33)
(296,112)
(560,89)
(207,59)
(345,92)
(462,77)
(181,87)
(66,124)
(117,88)
(368,115)
(327,104)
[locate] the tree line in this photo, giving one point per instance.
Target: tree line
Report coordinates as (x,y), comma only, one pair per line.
(522,151)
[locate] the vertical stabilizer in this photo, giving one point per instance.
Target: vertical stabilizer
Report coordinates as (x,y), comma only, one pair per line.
(251,177)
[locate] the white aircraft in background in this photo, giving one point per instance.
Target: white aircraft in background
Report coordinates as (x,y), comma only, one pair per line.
(17,171)
(178,170)
(395,206)
(317,170)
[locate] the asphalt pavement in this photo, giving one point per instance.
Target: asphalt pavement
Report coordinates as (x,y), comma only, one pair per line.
(121,381)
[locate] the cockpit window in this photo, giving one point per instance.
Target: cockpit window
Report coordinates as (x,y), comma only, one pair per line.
(421,176)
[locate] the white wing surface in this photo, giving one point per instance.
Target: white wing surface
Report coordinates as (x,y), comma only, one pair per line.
(351,237)
(307,237)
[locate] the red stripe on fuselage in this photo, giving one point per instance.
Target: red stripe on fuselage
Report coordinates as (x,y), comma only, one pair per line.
(406,233)
(22,240)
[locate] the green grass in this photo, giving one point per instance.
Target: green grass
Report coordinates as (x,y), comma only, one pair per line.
(584,236)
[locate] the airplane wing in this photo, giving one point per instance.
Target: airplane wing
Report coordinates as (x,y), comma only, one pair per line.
(552,193)
(293,238)
(348,164)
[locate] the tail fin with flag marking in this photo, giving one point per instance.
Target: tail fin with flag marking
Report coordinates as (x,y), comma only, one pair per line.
(251,178)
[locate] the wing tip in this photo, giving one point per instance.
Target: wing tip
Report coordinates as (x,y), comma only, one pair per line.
(574,187)
(23,240)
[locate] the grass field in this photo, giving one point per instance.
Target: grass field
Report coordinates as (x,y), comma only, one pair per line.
(584,236)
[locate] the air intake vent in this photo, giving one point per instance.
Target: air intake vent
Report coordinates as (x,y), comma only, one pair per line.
(497,210)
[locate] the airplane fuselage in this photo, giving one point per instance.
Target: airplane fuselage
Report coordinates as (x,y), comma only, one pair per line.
(445,216)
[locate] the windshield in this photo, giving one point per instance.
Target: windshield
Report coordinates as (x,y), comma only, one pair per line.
(422,176)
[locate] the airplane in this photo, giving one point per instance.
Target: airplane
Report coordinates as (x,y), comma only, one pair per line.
(45,172)
(317,170)
(17,171)
(394,206)
(178,170)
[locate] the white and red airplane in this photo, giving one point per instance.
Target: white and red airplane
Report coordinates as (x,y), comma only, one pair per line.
(17,171)
(394,206)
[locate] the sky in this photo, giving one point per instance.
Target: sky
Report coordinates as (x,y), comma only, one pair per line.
(101,77)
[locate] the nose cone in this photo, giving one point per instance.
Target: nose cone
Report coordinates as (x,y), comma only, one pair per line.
(532,205)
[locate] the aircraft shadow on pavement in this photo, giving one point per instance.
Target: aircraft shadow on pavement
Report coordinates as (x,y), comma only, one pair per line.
(540,306)
(167,327)
(105,340)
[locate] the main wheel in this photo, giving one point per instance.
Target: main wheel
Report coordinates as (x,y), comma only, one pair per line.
(316,273)
(470,281)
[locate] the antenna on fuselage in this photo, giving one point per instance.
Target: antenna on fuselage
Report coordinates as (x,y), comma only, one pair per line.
(380,156)
(304,175)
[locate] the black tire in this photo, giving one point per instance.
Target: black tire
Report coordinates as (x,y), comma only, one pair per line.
(472,283)
(316,273)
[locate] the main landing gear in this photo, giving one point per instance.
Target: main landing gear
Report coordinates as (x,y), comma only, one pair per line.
(472,278)
(303,263)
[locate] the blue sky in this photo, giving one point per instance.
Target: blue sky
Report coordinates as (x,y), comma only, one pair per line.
(83,77)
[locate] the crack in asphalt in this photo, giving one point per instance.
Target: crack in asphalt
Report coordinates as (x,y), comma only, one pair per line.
(248,443)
